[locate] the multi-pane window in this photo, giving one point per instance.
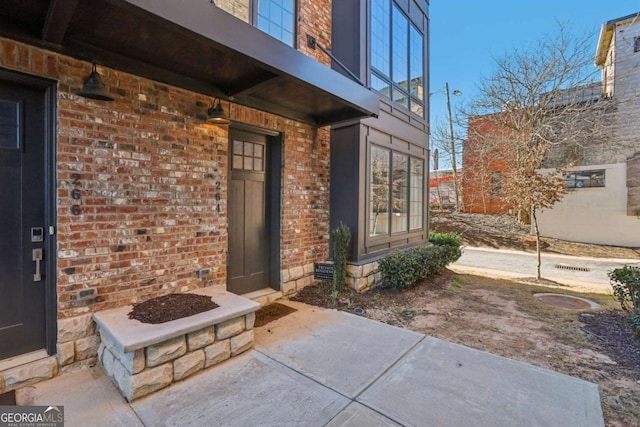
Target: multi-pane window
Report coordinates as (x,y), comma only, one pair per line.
(274,17)
(396,188)
(495,184)
(248,156)
(585,179)
(397,56)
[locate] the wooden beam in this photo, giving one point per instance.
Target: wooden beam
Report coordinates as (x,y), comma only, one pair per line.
(57,21)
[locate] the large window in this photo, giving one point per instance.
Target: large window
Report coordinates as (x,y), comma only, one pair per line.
(585,179)
(274,17)
(397,56)
(396,183)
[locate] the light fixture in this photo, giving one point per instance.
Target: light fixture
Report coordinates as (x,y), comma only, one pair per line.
(93,87)
(216,115)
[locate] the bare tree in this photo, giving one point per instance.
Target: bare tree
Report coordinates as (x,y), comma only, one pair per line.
(449,150)
(539,98)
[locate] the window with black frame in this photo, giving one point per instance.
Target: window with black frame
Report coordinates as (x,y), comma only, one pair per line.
(397,56)
(396,189)
(274,17)
(585,179)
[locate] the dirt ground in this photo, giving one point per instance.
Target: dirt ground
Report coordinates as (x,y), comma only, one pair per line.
(503,317)
(502,231)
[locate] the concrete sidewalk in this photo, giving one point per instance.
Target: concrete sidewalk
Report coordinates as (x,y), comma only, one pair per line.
(318,367)
(582,274)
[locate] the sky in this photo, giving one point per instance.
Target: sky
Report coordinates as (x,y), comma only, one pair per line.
(466,35)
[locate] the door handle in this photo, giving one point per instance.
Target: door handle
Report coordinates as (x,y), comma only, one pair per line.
(37,257)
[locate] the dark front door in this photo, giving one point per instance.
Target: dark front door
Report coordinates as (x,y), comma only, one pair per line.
(248,213)
(22,219)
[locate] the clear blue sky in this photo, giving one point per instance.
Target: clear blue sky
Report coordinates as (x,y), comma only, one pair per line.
(467,34)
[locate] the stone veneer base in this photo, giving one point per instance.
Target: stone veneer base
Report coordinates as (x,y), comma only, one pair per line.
(142,358)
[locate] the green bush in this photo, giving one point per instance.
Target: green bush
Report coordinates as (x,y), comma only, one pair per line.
(403,269)
(341,238)
(626,288)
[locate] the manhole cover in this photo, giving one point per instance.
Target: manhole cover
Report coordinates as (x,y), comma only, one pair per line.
(566,301)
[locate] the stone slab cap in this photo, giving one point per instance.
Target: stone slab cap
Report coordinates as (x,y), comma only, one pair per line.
(131,334)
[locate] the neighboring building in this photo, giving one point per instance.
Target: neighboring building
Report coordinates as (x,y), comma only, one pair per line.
(140,197)
(442,192)
(484,165)
(603,204)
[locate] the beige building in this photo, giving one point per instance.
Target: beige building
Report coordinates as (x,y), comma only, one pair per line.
(603,204)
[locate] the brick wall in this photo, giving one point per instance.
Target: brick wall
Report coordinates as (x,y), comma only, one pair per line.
(314,18)
(484,158)
(147,168)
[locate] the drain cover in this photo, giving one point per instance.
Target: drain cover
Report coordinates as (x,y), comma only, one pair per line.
(572,267)
(566,301)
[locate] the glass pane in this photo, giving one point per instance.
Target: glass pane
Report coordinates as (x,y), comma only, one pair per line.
(248,149)
(248,163)
(416,50)
(238,8)
(380,85)
(400,98)
(237,162)
(416,212)
(257,151)
(400,187)
(257,164)
(380,33)
(237,147)
(597,179)
(9,124)
(417,108)
(400,49)
(275,17)
(379,192)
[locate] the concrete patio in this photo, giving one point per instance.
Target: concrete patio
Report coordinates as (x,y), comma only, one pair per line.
(319,367)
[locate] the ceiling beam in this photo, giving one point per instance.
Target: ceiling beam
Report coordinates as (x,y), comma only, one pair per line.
(57,21)
(259,82)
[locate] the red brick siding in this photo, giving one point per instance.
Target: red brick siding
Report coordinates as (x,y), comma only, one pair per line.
(148,168)
(314,18)
(482,157)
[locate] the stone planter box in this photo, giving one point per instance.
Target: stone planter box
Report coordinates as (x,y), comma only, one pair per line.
(142,358)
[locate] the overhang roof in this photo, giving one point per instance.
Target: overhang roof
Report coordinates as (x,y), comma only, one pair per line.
(606,35)
(194,45)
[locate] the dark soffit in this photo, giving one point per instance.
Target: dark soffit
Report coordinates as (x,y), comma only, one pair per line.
(194,45)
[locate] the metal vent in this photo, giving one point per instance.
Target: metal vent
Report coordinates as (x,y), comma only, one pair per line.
(572,267)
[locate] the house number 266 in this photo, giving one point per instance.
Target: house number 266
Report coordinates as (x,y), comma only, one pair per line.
(76,194)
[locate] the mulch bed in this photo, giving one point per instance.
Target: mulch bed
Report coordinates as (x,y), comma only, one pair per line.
(611,331)
(171,307)
(272,312)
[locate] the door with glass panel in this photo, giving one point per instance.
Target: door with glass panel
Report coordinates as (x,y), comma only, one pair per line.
(248,214)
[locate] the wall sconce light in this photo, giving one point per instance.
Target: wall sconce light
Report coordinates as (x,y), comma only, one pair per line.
(216,115)
(93,87)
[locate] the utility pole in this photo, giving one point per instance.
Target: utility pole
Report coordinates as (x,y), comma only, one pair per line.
(456,186)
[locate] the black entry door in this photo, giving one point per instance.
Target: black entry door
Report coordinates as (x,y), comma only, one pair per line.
(22,219)
(248,214)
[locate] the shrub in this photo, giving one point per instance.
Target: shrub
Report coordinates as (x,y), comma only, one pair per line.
(403,269)
(626,288)
(341,238)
